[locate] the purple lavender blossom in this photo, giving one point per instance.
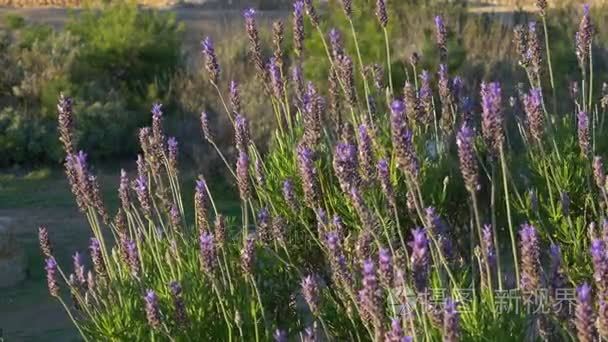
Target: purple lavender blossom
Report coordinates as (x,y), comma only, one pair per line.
(248,254)
(298,27)
(278,229)
(346,166)
(220,229)
(242,175)
(419,259)
(425,96)
(45,243)
(152,310)
(396,333)
(337,259)
(208,254)
(583,133)
(123,191)
(280,335)
(289,195)
(241,133)
(178,303)
(402,139)
(441,37)
(51,276)
(451,324)
(345,69)
(312,12)
(530,259)
(274,70)
(542,6)
(65,118)
(235,97)
(534,113)
(201,201)
(133,257)
(413,106)
(310,291)
(79,269)
(211,64)
(314,107)
(584,37)
(264,226)
(492,118)
(598,173)
(335,41)
(385,182)
(599,257)
(488,244)
(370,297)
(602,318)
(381,12)
(298,83)
(385,263)
(466,154)
(533,52)
(143,196)
(347,5)
(367,159)
(96,257)
(584,317)
(172,148)
(308,174)
(255,50)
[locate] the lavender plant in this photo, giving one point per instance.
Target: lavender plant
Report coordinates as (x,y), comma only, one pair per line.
(364,225)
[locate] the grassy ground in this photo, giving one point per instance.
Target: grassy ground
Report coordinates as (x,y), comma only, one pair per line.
(27,313)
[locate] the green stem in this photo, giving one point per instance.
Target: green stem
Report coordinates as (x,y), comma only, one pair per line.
(388,61)
(503,164)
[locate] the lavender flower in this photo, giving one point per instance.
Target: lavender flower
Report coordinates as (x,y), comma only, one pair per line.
(65,118)
(45,243)
(278,229)
(584,318)
(255,50)
(96,257)
(258,167)
(599,257)
(583,133)
(248,255)
(487,243)
(385,182)
(172,148)
(220,229)
(276,80)
(335,41)
(385,263)
(413,107)
(602,318)
(451,325)
(381,12)
(308,174)
(264,226)
(334,98)
(366,154)
(337,259)
(492,119)
(152,311)
(241,133)
(557,278)
(178,303)
(79,269)
(208,254)
(520,39)
(51,276)
(425,96)
(348,10)
(542,6)
(242,175)
(414,59)
(211,64)
(310,291)
(402,139)
(312,12)
(123,191)
(441,37)
(157,126)
(530,263)
(584,37)
(143,195)
(370,297)
(466,154)
(346,166)
(201,201)
(363,247)
(289,195)
(598,173)
(533,52)
(91,282)
(298,27)
(298,83)
(419,259)
(235,97)
(345,64)
(132,257)
(534,113)
(278,31)
(313,108)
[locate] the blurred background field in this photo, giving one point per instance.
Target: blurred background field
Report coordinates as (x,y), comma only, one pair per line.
(117,59)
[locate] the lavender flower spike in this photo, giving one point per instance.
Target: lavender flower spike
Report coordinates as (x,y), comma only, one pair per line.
(45,242)
(208,254)
(348,8)
(96,256)
(451,324)
(492,119)
(242,174)
(385,182)
(466,154)
(366,154)
(530,262)
(178,303)
(534,113)
(211,64)
(312,12)
(141,189)
(599,258)
(152,311)
(584,318)
(346,166)
(583,133)
(441,37)
(310,291)
(132,257)
(381,12)
(420,259)
(584,37)
(396,333)
(369,296)
(51,276)
(308,174)
(298,27)
(598,173)
(280,336)
(201,201)
(385,263)
(248,255)
(274,70)
(289,195)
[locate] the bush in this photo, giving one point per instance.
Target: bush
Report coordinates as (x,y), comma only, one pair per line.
(510,200)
